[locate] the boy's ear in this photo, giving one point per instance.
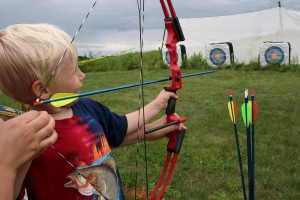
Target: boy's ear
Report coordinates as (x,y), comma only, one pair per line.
(37,87)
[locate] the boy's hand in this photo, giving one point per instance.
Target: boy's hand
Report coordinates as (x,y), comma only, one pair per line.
(162,132)
(161,101)
(151,110)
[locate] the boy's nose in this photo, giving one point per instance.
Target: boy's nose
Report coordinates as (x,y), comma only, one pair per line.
(82,75)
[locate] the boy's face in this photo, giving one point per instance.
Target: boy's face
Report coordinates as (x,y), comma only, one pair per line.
(69,79)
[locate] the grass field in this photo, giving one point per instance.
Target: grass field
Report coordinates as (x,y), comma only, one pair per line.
(207,167)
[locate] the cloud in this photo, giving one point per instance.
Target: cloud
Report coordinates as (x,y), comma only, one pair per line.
(111,22)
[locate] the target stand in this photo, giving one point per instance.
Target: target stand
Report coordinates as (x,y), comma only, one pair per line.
(219,54)
(274,53)
(181,55)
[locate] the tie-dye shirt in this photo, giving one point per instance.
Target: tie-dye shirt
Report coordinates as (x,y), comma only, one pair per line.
(85,141)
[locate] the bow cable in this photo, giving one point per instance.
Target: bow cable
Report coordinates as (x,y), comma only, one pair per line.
(141,9)
(65,52)
(48,82)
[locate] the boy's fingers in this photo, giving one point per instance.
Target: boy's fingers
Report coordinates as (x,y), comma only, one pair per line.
(181,126)
(173,95)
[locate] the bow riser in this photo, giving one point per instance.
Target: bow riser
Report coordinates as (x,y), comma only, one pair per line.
(171,46)
(176,137)
(175,35)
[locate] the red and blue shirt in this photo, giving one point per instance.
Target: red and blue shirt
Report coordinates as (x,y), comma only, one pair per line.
(84,140)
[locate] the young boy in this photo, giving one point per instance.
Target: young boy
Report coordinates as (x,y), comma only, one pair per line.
(80,165)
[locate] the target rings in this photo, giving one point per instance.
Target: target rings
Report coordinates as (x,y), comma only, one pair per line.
(217,56)
(274,55)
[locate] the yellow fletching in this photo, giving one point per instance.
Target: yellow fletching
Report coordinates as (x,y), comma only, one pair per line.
(62,99)
(250,108)
(231,111)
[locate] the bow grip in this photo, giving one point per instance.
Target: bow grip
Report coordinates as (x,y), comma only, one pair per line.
(175,141)
(171,106)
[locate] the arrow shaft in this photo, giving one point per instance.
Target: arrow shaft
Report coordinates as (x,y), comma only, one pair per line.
(123,87)
(248,135)
(232,113)
(240,161)
(252,148)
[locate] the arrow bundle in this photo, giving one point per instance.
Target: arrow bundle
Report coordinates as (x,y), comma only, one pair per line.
(249,110)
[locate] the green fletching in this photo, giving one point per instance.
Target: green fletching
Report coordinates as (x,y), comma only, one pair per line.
(248,113)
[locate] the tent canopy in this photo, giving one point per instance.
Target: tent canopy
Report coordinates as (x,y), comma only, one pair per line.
(245,31)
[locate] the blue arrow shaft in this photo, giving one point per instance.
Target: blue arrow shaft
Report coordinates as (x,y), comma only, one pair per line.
(238,149)
(240,160)
(122,87)
(252,153)
(248,135)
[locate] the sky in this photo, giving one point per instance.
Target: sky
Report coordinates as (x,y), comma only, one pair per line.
(113,25)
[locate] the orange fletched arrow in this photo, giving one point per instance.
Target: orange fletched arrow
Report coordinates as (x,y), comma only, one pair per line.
(233,115)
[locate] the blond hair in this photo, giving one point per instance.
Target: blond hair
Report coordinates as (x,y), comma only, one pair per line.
(30,52)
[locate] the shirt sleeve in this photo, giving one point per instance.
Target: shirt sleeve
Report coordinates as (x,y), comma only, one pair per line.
(114,125)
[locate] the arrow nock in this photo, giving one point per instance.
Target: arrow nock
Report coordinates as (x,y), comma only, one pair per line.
(246,93)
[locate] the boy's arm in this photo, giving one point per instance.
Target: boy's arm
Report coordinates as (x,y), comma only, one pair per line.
(151,110)
(134,137)
(138,135)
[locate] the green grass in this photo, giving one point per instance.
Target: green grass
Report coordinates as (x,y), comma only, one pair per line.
(207,167)
(152,60)
(129,61)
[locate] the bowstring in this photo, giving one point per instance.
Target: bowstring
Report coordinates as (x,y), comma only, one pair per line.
(48,82)
(163,39)
(65,52)
(141,10)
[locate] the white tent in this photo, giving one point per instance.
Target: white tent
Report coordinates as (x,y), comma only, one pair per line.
(245,31)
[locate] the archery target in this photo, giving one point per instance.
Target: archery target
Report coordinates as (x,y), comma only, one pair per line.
(219,54)
(181,54)
(274,53)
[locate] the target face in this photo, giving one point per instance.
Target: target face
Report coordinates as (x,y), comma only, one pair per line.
(274,55)
(217,56)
